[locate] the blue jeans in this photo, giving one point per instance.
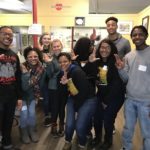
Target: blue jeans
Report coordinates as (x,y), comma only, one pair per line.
(28,115)
(80,121)
(134,109)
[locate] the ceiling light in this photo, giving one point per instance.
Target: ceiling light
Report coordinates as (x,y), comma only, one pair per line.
(9,4)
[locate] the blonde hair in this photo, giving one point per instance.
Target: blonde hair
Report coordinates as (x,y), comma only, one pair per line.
(57,40)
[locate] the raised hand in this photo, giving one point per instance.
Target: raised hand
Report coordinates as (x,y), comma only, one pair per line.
(64,79)
(119,63)
(92,57)
(73,56)
(23,68)
(93,35)
(41,47)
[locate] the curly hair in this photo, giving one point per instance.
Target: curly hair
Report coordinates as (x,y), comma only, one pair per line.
(67,55)
(28,49)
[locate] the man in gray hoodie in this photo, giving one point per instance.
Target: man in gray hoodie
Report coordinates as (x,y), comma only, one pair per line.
(122,44)
(135,71)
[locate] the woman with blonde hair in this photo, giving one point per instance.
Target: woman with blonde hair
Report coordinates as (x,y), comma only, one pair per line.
(57,91)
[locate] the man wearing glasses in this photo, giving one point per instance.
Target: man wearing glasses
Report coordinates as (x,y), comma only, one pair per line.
(10,86)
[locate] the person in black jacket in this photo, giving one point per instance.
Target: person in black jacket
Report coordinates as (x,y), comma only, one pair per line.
(110,93)
(81,102)
(10,86)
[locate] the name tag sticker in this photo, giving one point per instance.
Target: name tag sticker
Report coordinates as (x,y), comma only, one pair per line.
(24,108)
(142,68)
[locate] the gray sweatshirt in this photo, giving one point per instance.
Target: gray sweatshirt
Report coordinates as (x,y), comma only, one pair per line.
(123,45)
(136,74)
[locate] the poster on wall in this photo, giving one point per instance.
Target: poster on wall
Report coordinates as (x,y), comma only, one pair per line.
(145,22)
(35,29)
(125,27)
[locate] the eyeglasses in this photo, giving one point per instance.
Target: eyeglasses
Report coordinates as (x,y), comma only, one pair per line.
(105,47)
(32,57)
(7,34)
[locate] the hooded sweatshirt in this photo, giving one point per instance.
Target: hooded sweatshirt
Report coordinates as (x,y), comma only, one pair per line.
(137,74)
(123,45)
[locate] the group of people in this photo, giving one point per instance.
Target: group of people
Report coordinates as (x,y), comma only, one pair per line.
(91,83)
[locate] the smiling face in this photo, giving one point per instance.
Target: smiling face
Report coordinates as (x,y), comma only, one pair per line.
(32,58)
(56,47)
(46,40)
(105,50)
(6,37)
(64,62)
(139,38)
(111,26)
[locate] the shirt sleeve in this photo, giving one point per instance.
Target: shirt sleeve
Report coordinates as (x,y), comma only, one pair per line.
(18,79)
(124,72)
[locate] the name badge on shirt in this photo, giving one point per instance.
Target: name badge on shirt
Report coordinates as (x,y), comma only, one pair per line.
(142,68)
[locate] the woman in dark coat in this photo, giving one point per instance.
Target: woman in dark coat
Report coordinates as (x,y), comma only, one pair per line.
(110,93)
(81,102)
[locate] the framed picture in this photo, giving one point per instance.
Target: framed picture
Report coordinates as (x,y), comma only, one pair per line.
(124,27)
(79,21)
(145,22)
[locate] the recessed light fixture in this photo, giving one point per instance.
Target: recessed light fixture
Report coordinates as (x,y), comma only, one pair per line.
(9,4)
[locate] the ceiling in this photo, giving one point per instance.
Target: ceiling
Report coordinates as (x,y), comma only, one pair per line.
(95,6)
(15,6)
(117,6)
